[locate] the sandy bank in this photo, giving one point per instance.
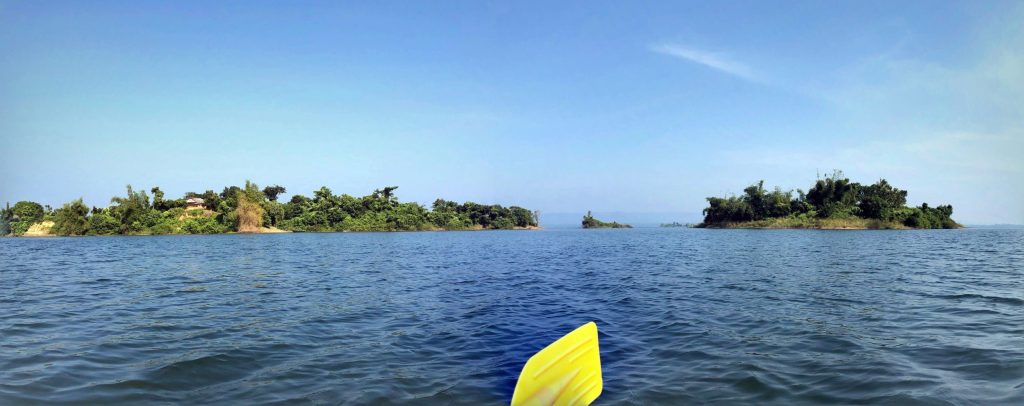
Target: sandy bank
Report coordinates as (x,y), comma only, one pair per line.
(41,229)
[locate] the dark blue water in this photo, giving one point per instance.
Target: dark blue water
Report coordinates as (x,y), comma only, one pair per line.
(685,315)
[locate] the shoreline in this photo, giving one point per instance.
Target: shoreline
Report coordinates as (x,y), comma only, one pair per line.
(270,230)
(788,223)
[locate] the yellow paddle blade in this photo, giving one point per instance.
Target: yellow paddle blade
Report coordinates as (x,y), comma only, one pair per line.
(567,372)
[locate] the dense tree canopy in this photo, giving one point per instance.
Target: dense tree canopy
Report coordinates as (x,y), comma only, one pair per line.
(834,197)
(251,209)
(381,211)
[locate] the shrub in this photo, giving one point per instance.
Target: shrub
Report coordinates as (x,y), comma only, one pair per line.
(931,217)
(203,225)
(177,212)
(103,224)
(249,212)
(70,219)
(457,223)
(371,221)
(166,226)
(20,227)
(503,223)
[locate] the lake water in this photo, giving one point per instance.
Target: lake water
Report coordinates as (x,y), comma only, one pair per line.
(685,316)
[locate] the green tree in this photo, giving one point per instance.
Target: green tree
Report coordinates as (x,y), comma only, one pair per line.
(388,194)
(441,205)
(322,195)
(407,217)
(5,220)
(71,219)
(931,217)
(273,212)
(755,197)
(101,223)
(271,192)
(229,199)
(881,200)
(522,217)
(730,209)
(295,207)
(158,199)
(834,196)
(799,204)
(203,225)
(23,215)
(132,211)
(778,203)
(25,211)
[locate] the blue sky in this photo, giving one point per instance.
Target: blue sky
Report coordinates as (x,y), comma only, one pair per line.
(615,107)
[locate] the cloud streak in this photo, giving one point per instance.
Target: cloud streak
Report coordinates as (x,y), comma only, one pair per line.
(717,61)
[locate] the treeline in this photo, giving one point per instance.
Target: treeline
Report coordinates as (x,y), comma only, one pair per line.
(834,197)
(381,211)
(251,209)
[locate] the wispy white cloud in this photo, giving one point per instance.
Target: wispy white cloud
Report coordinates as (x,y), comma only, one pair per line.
(949,131)
(714,60)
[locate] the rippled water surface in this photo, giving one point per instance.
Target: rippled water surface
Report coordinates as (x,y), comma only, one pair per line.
(685,315)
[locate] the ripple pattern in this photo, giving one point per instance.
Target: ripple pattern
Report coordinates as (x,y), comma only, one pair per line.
(685,316)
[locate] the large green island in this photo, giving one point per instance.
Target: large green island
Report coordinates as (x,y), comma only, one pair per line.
(249,209)
(831,203)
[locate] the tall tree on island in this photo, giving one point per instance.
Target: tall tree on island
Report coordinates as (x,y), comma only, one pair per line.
(271,192)
(249,210)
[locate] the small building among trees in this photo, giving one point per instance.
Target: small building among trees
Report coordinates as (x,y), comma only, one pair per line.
(194,203)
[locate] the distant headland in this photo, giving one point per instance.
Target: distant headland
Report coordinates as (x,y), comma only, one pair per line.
(590,222)
(831,203)
(250,209)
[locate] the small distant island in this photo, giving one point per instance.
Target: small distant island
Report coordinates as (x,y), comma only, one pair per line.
(249,209)
(674,224)
(831,203)
(590,222)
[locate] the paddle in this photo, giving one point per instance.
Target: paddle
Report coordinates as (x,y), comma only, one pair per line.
(567,372)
